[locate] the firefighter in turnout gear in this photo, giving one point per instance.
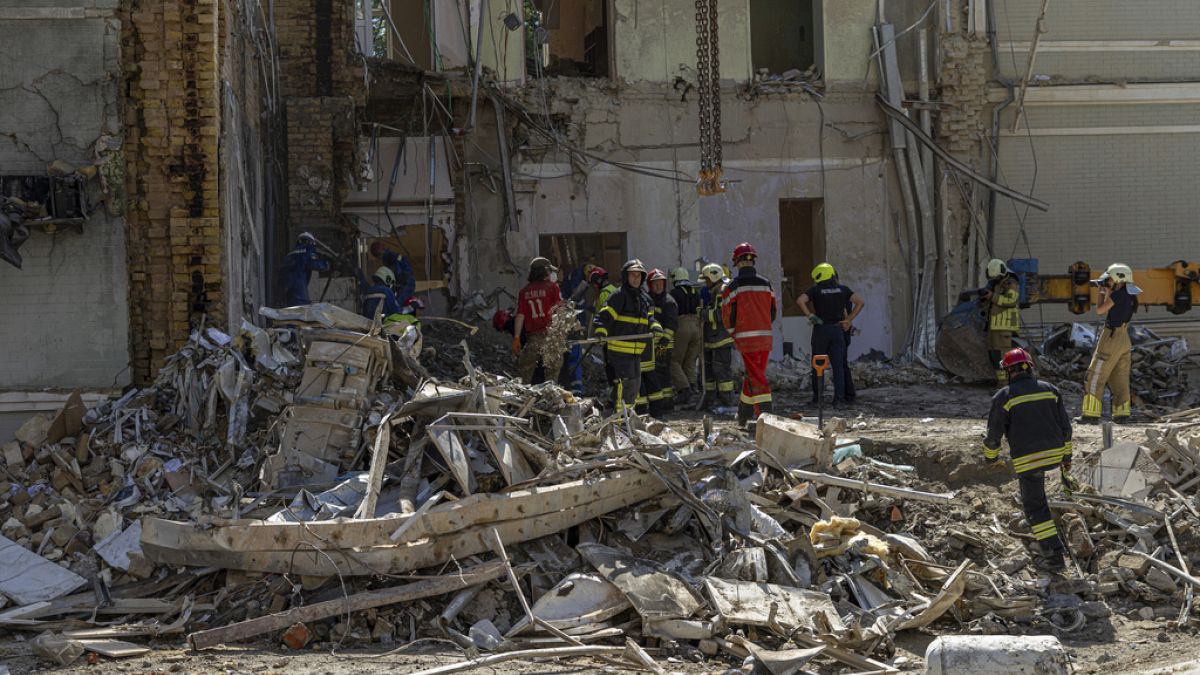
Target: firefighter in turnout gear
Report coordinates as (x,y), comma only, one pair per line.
(1110,362)
(1031,414)
(689,337)
(657,383)
(629,311)
(718,343)
(748,309)
(1002,295)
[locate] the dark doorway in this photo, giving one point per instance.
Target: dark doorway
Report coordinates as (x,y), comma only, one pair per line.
(801,247)
(783,35)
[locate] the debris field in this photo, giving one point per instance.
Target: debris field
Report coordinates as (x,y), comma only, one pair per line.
(312,487)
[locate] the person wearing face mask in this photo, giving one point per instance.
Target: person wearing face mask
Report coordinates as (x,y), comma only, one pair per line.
(535,308)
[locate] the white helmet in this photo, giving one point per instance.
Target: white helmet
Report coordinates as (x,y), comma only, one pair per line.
(386,275)
(713,272)
(996,268)
(1118,273)
(680,274)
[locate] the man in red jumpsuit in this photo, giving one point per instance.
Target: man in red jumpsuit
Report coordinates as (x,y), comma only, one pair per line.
(748,309)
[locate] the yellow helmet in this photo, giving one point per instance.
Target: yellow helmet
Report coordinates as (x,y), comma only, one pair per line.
(996,268)
(823,272)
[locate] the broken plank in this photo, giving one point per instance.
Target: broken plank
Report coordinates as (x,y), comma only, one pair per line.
(27,577)
(891,491)
(116,649)
(416,590)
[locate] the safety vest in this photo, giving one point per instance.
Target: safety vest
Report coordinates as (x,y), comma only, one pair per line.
(605,294)
(1003,313)
(748,310)
(410,319)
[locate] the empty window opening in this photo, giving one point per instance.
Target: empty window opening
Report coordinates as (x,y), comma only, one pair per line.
(567,38)
(410,36)
(783,36)
(801,247)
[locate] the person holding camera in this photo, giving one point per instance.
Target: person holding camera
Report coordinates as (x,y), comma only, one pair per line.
(1110,361)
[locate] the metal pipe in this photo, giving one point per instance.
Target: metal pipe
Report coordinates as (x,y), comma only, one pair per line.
(996,112)
(478,63)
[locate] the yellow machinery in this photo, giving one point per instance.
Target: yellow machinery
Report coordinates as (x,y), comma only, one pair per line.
(961,342)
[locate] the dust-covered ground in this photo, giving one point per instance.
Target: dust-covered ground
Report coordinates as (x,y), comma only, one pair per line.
(936,428)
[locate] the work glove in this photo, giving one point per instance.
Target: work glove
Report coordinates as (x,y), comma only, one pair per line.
(1070,485)
(516,345)
(815,320)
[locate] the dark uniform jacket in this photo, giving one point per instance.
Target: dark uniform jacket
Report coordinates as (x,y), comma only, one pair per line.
(687,298)
(629,311)
(715,335)
(666,311)
(1031,413)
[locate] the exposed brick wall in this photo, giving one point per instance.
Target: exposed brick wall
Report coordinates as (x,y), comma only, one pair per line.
(172,121)
(321,137)
(317,53)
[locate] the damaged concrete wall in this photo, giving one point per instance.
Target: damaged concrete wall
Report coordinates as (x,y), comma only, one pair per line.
(772,152)
(66,312)
(657,41)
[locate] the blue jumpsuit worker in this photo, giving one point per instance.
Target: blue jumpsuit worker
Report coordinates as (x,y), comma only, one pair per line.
(297,270)
(1031,414)
(405,284)
(825,306)
(629,311)
(380,291)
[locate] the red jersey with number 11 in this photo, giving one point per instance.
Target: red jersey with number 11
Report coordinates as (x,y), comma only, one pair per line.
(536,303)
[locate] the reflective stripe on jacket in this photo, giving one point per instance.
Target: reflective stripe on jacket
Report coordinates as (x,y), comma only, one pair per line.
(748,310)
(629,311)
(1032,415)
(715,335)
(1003,313)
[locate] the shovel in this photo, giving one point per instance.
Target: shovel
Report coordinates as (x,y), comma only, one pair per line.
(819,363)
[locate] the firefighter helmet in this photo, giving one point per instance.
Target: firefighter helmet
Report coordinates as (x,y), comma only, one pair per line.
(598,275)
(540,262)
(823,272)
(500,319)
(996,268)
(1119,273)
(657,275)
(713,272)
(386,275)
(415,303)
(306,238)
(680,275)
(1016,361)
(633,265)
(743,251)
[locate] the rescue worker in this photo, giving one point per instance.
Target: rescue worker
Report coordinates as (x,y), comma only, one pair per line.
(1031,414)
(629,311)
(406,282)
(718,343)
(535,308)
(298,267)
(851,393)
(1002,295)
(689,338)
(657,383)
(748,310)
(825,306)
(378,296)
(1110,361)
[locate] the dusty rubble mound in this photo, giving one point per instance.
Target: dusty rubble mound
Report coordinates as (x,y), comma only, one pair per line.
(314,486)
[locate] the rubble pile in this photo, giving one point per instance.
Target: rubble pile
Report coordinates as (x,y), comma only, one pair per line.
(312,485)
(1159,365)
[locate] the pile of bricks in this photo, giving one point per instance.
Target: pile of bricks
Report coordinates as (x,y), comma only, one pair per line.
(172,123)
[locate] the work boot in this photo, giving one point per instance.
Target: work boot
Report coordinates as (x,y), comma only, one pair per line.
(1086,419)
(1053,563)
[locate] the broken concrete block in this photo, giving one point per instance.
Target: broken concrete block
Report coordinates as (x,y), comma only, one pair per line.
(298,636)
(786,443)
(57,648)
(14,457)
(33,432)
(107,522)
(1136,563)
(1161,580)
(991,654)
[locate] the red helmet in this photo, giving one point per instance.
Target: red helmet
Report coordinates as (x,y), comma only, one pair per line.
(500,319)
(656,275)
(1014,359)
(598,275)
(744,250)
(415,302)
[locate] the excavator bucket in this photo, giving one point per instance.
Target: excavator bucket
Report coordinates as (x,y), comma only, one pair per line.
(962,343)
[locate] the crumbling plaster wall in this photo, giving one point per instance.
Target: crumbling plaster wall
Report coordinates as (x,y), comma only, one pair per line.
(772,152)
(65,314)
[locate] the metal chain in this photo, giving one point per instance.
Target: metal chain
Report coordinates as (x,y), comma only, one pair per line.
(708,83)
